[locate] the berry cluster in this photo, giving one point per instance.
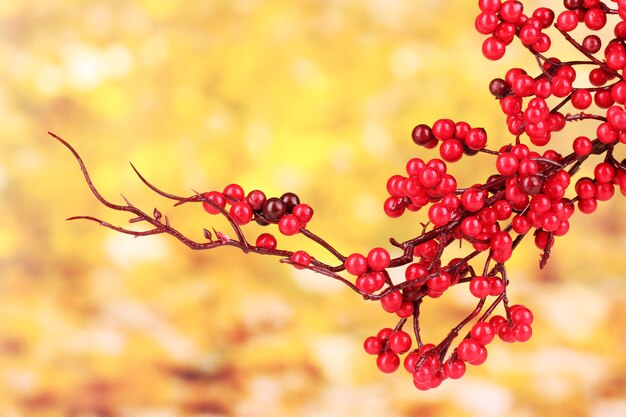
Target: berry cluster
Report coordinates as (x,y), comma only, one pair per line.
(424,363)
(531,192)
(286,211)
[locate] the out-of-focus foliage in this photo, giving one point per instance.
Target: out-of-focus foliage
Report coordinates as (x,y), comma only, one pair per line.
(317,97)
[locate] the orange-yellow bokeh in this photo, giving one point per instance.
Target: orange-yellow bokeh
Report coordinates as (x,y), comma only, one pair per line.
(317,97)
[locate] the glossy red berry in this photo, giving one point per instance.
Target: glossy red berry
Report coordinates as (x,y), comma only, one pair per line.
(304,213)
(451,150)
(493,48)
(482,332)
(582,146)
(567,21)
(443,129)
(468,350)
(266,241)
(289,225)
(356,264)
(473,199)
(215,200)
(234,192)
(439,214)
(378,259)
(400,341)
(479,286)
(391,302)
(256,198)
(241,212)
(300,259)
(373,345)
(454,369)
(394,207)
(521,314)
(388,362)
(522,332)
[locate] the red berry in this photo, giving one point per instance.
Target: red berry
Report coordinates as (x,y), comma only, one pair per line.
(373,345)
(521,224)
(505,333)
(479,286)
(451,150)
(473,199)
(384,333)
(604,191)
(215,200)
(388,362)
(545,16)
(476,138)
(370,282)
(582,146)
(511,11)
(470,226)
(234,192)
(585,188)
(303,212)
(356,264)
(595,18)
(394,185)
(604,172)
(543,240)
(446,184)
(486,23)
(429,177)
(454,369)
(606,133)
(443,129)
(587,205)
(521,314)
(241,212)
(415,271)
(410,362)
(497,321)
(468,350)
(414,166)
(489,5)
(440,282)
(289,225)
(481,357)
(581,99)
(391,302)
(483,332)
(400,342)
(256,198)
(522,332)
(493,48)
(566,21)
(300,259)
(529,34)
(406,309)
(378,259)
(438,214)
(506,164)
(497,286)
(266,240)
(394,207)
(423,375)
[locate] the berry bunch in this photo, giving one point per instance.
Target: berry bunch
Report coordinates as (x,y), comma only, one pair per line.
(531,192)
(285,211)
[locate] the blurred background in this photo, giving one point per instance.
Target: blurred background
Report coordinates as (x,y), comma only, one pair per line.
(314,96)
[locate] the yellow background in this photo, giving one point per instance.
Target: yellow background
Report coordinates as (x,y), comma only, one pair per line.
(312,96)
